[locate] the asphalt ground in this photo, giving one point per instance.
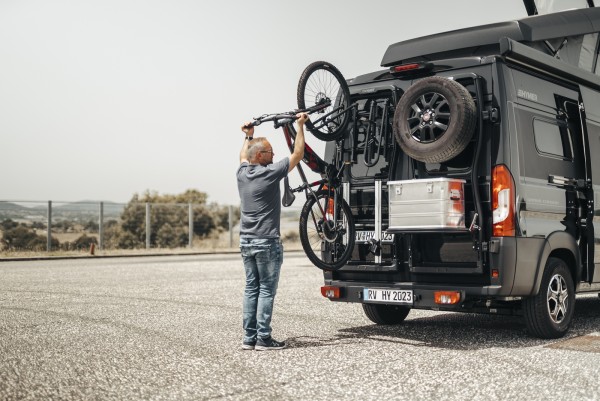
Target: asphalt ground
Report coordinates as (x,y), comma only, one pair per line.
(169,328)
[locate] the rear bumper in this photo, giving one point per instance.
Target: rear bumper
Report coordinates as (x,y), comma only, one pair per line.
(423,294)
(516,262)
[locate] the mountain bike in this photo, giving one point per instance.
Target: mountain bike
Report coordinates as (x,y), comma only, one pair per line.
(327,230)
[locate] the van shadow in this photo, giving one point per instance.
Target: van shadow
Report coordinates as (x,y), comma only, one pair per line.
(459,331)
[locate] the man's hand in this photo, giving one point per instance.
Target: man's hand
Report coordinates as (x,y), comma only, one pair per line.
(302,117)
(248,129)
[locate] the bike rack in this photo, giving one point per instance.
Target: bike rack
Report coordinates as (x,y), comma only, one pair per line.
(346,196)
(377,236)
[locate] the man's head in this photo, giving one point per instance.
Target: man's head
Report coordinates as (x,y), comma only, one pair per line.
(260,152)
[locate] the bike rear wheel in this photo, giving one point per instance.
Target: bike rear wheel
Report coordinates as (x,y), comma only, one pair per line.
(322,83)
(327,243)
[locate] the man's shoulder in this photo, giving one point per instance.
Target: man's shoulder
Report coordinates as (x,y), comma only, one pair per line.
(283,163)
(242,167)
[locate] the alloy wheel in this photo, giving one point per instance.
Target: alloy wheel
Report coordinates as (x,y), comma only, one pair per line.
(557,298)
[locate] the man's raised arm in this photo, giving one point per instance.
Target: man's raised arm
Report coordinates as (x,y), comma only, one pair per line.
(249,131)
(298,152)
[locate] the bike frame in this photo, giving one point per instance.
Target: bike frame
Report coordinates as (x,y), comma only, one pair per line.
(329,172)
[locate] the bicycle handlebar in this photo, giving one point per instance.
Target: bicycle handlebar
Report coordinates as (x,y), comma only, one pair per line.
(279,118)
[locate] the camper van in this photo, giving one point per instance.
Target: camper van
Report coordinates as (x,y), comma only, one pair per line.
(473,170)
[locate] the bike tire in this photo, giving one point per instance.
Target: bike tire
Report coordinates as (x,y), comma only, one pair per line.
(322,80)
(333,253)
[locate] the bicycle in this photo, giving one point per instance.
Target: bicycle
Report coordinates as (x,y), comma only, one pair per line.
(326,225)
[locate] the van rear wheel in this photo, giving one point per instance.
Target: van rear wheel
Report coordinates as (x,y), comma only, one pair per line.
(435,119)
(386,314)
(549,313)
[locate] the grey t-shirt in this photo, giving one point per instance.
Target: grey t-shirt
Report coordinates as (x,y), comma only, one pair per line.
(261,199)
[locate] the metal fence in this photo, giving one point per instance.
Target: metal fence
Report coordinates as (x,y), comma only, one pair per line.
(55,225)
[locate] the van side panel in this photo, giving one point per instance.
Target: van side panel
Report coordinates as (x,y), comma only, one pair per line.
(559,244)
(591,101)
(545,140)
(530,251)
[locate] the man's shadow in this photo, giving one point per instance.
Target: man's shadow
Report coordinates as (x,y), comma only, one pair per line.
(459,331)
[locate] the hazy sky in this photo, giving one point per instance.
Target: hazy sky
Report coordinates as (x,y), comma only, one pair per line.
(100,99)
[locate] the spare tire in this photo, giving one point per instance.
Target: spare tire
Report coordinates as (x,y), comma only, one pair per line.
(434,120)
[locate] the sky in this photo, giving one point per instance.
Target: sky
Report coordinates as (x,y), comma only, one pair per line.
(102,99)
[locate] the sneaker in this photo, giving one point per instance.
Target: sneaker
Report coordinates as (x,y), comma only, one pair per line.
(267,344)
(248,345)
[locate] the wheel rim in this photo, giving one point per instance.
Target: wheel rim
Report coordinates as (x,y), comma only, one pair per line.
(557,298)
(429,117)
(325,229)
(323,87)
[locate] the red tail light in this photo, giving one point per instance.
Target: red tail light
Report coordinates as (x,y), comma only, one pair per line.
(405,67)
(503,202)
(329,291)
(411,68)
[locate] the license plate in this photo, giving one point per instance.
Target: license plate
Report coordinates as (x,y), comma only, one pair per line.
(404,297)
(365,236)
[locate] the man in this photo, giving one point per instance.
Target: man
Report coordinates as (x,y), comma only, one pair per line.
(262,252)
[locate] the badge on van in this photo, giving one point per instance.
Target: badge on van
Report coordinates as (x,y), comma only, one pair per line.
(527,95)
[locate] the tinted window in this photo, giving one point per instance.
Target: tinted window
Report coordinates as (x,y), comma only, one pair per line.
(552,138)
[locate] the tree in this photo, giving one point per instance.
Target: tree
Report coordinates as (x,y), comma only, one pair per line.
(91,226)
(221,215)
(168,219)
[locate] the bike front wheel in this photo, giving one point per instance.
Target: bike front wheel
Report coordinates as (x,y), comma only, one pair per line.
(322,83)
(327,242)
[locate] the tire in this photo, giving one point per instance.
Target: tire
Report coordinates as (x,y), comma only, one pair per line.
(328,249)
(322,82)
(549,313)
(434,120)
(386,314)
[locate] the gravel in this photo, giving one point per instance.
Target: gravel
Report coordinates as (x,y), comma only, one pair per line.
(169,328)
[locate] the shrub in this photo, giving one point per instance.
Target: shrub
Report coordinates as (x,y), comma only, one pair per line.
(22,237)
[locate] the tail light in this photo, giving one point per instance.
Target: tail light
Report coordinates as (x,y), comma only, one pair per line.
(412,68)
(503,202)
(456,190)
(329,291)
(446,297)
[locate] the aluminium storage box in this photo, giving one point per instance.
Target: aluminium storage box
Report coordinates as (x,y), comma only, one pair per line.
(427,204)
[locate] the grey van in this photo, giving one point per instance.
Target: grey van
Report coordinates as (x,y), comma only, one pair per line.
(474,168)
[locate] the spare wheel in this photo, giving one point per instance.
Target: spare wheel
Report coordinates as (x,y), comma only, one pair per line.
(434,120)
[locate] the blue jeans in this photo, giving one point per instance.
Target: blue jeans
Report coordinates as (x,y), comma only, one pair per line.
(262,261)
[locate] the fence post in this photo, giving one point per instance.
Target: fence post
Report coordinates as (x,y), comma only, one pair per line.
(148,228)
(190,224)
(49,235)
(230,226)
(101,227)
